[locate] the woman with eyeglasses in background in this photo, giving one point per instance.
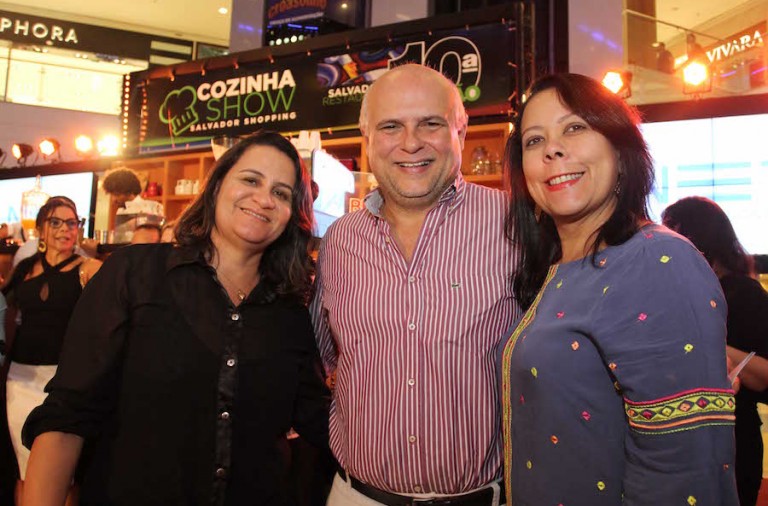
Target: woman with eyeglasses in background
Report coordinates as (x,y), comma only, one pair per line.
(44,288)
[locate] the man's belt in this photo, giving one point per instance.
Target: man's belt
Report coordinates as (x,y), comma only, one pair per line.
(482,497)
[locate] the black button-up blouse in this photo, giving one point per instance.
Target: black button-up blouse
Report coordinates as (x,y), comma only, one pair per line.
(183,398)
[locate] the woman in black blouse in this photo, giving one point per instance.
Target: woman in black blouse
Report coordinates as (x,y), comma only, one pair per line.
(709,229)
(45,288)
(185,365)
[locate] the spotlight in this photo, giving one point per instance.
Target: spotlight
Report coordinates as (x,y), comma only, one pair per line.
(84,146)
(21,153)
(696,78)
(50,147)
(108,145)
(619,82)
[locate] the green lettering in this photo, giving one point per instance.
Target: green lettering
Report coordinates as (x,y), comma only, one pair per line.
(228,106)
(281,98)
(247,102)
(212,106)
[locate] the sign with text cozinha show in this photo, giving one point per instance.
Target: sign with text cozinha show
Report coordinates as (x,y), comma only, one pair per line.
(318,91)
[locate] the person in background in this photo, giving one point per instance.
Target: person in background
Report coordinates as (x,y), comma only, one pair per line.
(694,49)
(413,295)
(11,231)
(709,229)
(44,288)
(167,233)
(29,248)
(614,384)
(665,62)
(124,187)
(186,364)
(146,234)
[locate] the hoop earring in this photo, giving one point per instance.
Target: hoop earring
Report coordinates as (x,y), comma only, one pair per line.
(42,247)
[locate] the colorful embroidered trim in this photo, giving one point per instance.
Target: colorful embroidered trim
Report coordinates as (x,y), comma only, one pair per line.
(506,382)
(684,411)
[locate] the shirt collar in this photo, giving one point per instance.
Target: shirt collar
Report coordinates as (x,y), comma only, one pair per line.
(453,196)
(263,293)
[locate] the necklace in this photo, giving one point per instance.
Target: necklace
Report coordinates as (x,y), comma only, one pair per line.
(240,293)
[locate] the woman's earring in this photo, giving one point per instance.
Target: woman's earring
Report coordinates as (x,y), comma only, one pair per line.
(42,247)
(537,212)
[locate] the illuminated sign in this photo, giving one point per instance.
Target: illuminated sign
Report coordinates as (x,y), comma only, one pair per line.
(738,43)
(43,32)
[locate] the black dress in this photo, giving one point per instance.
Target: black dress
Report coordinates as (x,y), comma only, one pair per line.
(747,331)
(186,397)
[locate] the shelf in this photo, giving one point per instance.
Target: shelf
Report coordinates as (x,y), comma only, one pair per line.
(492,180)
(179,198)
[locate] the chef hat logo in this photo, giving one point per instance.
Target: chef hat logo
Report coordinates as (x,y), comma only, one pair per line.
(178,110)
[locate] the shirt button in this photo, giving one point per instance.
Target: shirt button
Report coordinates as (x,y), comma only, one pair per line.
(411,382)
(411,326)
(411,439)
(224,415)
(221,472)
(411,279)
(417,489)
(235,316)
(231,362)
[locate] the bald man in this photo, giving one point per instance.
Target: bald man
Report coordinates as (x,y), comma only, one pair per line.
(414,293)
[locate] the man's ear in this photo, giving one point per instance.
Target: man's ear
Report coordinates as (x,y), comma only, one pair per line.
(463,134)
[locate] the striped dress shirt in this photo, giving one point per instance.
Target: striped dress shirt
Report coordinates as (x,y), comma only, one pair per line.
(415,408)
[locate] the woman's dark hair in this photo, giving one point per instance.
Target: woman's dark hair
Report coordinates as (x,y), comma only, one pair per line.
(122,181)
(536,240)
(707,226)
(50,206)
(286,264)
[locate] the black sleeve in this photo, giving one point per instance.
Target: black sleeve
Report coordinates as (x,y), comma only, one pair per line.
(84,390)
(747,310)
(310,411)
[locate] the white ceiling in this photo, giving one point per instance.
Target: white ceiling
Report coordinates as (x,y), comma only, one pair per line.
(200,20)
(697,15)
(186,19)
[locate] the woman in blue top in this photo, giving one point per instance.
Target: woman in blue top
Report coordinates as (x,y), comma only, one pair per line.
(614,383)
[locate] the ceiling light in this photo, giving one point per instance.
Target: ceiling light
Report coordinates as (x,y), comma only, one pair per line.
(695,73)
(108,145)
(619,82)
(50,147)
(696,79)
(84,145)
(223,10)
(21,153)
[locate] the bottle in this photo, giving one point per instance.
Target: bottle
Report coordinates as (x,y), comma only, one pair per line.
(480,163)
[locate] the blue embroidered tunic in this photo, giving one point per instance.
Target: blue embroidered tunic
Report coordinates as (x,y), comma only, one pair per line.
(614,384)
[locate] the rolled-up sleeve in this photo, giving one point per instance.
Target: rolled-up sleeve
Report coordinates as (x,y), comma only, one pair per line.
(85,388)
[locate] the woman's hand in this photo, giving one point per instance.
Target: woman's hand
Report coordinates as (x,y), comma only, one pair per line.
(736,383)
(754,375)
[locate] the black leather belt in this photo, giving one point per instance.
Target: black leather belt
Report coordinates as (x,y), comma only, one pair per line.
(483,497)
